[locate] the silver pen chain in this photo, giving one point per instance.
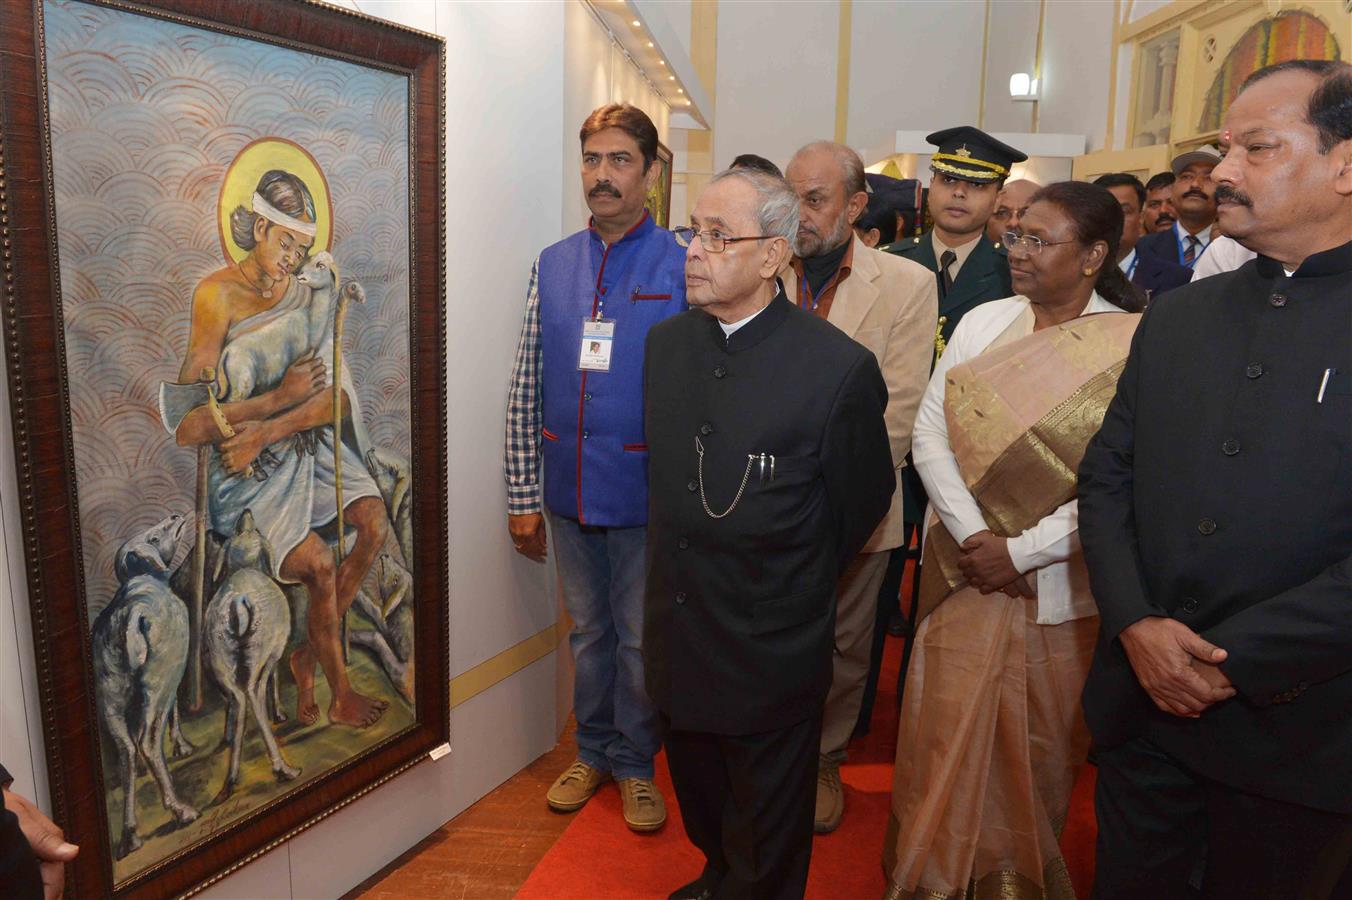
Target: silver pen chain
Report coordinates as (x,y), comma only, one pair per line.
(750,459)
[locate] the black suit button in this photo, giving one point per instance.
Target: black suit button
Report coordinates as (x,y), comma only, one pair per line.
(706,429)
(719,371)
(683,543)
(1230,447)
(1190,604)
(680,599)
(1254,371)
(691,486)
(1278,300)
(587,396)
(1207,526)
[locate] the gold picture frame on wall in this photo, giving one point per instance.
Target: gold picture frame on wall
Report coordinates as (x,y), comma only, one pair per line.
(658,199)
(1190,58)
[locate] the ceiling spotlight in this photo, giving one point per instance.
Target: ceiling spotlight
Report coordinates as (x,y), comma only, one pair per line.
(650,43)
(680,90)
(636,23)
(671,78)
(661,62)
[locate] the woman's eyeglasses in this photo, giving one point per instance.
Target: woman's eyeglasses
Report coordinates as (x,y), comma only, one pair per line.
(1029,244)
(714,241)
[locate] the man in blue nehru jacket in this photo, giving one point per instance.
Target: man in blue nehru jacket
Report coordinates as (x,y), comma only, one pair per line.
(577,395)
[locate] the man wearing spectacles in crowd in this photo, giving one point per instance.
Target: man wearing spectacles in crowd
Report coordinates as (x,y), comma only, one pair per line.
(576,404)
(769,469)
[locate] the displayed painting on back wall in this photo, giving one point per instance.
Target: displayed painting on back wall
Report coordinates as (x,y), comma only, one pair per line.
(250,347)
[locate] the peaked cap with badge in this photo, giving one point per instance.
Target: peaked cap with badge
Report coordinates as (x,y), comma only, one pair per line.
(972,155)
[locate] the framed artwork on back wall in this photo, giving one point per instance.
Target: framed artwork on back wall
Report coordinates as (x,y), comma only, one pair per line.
(224,322)
(658,200)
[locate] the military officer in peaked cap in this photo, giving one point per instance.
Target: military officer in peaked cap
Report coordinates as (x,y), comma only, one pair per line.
(969,168)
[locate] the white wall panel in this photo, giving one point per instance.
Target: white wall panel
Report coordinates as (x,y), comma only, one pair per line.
(1077,54)
(776,78)
(914,66)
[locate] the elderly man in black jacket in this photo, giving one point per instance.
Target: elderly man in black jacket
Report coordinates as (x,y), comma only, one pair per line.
(769,467)
(1216,518)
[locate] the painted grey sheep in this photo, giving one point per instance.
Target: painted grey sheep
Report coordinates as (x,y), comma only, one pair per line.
(391,641)
(246,627)
(391,474)
(255,361)
(140,648)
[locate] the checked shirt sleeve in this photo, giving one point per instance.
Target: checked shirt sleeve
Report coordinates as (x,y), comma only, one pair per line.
(521,459)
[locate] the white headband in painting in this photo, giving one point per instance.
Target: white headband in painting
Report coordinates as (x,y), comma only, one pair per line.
(277,217)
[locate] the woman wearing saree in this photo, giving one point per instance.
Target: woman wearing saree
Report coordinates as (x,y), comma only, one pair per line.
(991,733)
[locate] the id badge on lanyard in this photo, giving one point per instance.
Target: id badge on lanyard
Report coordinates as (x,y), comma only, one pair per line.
(598,341)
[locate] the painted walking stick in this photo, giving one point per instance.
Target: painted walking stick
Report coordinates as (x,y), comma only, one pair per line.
(339,314)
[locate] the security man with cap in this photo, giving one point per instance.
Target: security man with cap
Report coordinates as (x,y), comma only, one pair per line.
(969,169)
(1195,203)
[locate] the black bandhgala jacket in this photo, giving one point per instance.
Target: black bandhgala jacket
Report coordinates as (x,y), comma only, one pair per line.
(1219,493)
(740,610)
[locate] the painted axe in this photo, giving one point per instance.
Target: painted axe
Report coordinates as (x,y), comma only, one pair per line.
(177,400)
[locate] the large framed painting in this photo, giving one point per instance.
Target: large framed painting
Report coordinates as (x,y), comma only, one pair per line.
(223,306)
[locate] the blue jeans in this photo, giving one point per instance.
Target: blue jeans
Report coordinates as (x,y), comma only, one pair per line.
(602,574)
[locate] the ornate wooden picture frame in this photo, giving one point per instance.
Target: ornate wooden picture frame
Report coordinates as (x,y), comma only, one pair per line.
(222,235)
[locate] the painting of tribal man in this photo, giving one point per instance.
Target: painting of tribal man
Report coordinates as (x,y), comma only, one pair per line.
(233,236)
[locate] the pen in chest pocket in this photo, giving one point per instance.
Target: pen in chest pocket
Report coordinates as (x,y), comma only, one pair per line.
(1324,384)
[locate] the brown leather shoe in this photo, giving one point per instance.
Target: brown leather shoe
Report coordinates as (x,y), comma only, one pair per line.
(830,799)
(575,787)
(644,808)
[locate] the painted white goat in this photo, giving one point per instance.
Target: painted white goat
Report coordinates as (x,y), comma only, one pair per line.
(254,362)
(140,643)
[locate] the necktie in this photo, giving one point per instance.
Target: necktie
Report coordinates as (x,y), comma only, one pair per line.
(1190,250)
(946,259)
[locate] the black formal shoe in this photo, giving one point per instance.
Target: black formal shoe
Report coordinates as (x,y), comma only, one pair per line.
(702,888)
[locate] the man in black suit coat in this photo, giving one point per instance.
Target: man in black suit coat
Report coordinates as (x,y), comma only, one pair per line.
(769,467)
(1216,518)
(1152,274)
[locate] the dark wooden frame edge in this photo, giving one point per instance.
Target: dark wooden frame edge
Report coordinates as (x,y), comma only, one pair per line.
(35,357)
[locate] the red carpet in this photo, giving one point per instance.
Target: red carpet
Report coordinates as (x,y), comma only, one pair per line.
(598,857)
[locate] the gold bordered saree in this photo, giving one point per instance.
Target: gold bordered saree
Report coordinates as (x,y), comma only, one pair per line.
(1019,418)
(991,734)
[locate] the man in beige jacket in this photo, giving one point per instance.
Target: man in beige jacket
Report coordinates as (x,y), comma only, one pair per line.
(891,306)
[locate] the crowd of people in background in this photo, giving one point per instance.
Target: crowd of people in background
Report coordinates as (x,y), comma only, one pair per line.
(1115,415)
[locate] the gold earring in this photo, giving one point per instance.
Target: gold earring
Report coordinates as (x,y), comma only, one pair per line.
(1088,271)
